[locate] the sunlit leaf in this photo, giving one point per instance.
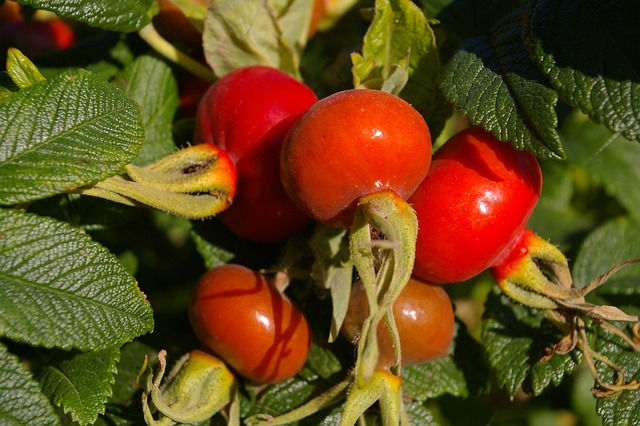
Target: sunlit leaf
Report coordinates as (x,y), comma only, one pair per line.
(121,15)
(240,33)
(58,288)
(72,130)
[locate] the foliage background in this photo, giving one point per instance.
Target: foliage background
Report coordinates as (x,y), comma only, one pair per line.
(590,207)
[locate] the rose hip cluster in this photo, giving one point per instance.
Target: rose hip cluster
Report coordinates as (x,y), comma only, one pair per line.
(302,160)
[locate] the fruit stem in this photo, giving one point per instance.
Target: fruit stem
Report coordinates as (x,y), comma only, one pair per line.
(149,34)
(536,274)
(384,271)
(383,387)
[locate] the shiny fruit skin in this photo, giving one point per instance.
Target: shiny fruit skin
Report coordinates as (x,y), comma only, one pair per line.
(472,205)
(424,316)
(242,318)
(248,112)
(351,144)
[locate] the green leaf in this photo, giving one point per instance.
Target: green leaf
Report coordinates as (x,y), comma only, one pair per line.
(212,254)
(461,374)
(555,217)
(589,54)
(323,362)
(492,80)
(72,130)
(80,382)
(608,245)
(399,31)
(612,161)
(516,338)
(125,389)
(432,379)
(131,359)
(294,18)
(283,397)
(624,408)
(333,270)
(21,70)
(240,33)
(419,415)
(121,15)
(21,401)
(58,288)
(150,82)
(469,18)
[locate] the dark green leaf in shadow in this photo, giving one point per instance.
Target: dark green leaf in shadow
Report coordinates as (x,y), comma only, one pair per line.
(21,401)
(80,382)
(588,51)
(608,245)
(150,82)
(492,80)
(611,161)
(516,339)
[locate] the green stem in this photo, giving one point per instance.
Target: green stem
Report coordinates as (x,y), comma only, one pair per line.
(384,273)
(326,399)
(169,51)
(384,388)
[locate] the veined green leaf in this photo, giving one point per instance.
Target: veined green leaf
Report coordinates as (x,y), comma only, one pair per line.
(460,374)
(80,382)
(492,80)
(121,15)
(419,415)
(150,82)
(240,33)
(58,288)
(588,51)
(284,396)
(516,339)
(624,408)
(21,401)
(434,378)
(72,130)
